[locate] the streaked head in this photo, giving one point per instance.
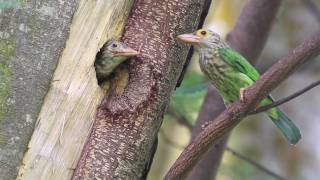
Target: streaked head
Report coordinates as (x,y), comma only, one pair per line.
(116,49)
(202,38)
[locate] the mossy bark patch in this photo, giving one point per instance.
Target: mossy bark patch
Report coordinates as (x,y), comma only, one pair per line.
(32,37)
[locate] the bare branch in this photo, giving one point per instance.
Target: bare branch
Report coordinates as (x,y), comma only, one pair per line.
(240,156)
(286,99)
(228,119)
(254,163)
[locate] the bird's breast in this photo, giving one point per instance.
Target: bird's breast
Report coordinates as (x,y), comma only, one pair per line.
(214,68)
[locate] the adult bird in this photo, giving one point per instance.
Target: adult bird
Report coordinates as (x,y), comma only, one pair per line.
(230,73)
(111,55)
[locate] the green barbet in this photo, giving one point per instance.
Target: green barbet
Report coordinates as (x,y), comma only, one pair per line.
(230,73)
(111,55)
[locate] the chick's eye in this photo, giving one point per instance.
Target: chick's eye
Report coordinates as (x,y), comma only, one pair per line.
(114,45)
(203,33)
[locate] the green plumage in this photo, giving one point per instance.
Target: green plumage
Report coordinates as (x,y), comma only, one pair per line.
(229,71)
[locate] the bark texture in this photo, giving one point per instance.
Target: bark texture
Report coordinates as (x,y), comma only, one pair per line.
(32,37)
(123,136)
(248,38)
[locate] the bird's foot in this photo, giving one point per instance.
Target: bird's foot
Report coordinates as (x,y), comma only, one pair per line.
(242,94)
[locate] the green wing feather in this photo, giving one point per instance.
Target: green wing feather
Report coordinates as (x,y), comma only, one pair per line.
(238,62)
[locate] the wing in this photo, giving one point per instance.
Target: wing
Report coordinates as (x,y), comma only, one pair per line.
(239,63)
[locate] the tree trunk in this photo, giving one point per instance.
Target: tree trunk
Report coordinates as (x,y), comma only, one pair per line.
(40,32)
(32,37)
(121,144)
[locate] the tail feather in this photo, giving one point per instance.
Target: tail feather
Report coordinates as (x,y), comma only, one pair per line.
(290,131)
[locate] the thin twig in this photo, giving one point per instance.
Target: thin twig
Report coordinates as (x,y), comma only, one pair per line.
(240,156)
(312,7)
(254,163)
(286,99)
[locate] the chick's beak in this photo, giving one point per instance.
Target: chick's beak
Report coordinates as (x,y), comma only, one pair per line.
(189,38)
(129,52)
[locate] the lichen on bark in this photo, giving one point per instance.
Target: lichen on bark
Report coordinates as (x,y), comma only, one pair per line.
(7,51)
(32,36)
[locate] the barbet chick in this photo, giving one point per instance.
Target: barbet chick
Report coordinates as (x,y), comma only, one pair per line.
(230,73)
(112,54)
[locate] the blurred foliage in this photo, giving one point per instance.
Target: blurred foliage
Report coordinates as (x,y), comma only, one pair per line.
(188,98)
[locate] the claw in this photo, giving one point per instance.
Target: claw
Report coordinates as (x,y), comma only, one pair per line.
(242,94)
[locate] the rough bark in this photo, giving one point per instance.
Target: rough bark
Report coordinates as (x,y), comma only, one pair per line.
(32,37)
(248,38)
(229,118)
(129,118)
(68,111)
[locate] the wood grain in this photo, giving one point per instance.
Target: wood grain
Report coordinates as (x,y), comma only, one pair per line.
(70,106)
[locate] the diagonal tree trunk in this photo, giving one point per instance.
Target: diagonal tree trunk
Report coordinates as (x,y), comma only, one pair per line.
(122,141)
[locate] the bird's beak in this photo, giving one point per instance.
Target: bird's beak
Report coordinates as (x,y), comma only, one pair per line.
(189,38)
(128,52)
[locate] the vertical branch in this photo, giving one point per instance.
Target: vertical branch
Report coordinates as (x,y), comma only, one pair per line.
(253,27)
(248,38)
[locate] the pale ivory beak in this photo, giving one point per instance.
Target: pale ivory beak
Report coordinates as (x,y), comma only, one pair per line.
(189,38)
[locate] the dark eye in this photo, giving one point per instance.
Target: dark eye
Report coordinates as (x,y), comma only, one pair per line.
(203,33)
(114,45)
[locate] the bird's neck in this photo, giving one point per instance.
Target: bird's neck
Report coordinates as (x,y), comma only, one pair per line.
(106,65)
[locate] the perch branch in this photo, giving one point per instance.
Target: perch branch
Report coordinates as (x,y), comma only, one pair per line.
(229,118)
(286,99)
(238,155)
(254,163)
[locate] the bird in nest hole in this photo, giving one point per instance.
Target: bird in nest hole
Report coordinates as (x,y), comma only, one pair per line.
(111,55)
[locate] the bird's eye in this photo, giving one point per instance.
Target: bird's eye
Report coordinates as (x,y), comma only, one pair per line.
(114,45)
(203,33)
